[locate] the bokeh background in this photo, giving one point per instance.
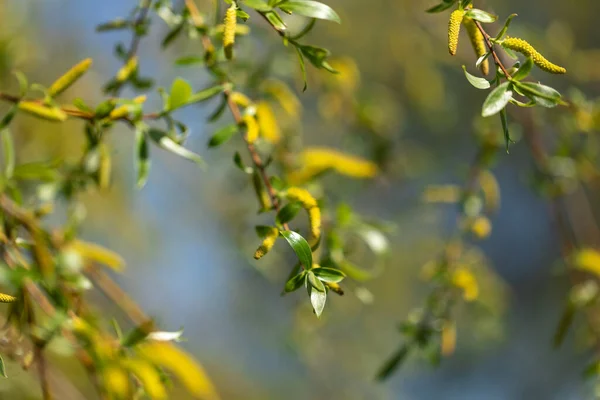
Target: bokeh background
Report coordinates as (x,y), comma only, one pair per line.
(187,235)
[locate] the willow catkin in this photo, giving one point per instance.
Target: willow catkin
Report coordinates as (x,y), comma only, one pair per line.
(49,113)
(477,42)
(6,298)
(252,130)
(267,243)
(309,203)
(454,29)
(229,31)
(523,47)
(62,83)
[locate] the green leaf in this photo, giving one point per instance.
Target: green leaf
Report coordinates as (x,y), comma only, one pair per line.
(330,275)
(317,56)
(8,151)
(543,95)
(300,247)
(295,282)
(524,70)
(565,322)
(181,91)
(496,100)
(223,135)
(302,67)
(287,213)
(481,16)
(23,83)
(172,35)
(115,24)
(314,282)
(312,9)
(393,363)
(482,59)
(237,160)
(479,83)
(275,20)
(189,60)
(2,368)
(505,27)
(258,5)
(142,157)
(42,171)
(207,93)
(165,142)
(504,120)
(444,5)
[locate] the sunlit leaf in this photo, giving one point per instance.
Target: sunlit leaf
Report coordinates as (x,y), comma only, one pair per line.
(312,9)
(496,100)
(300,247)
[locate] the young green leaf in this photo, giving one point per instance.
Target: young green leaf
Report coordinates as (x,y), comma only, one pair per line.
(142,157)
(258,5)
(165,142)
(330,275)
(8,151)
(275,20)
(302,67)
(479,83)
(505,27)
(189,60)
(524,70)
(504,120)
(223,135)
(300,247)
(496,100)
(312,9)
(295,282)
(444,5)
(287,213)
(543,95)
(481,16)
(2,368)
(393,363)
(137,334)
(181,91)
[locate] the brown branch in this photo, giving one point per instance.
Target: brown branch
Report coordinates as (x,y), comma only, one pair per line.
(490,46)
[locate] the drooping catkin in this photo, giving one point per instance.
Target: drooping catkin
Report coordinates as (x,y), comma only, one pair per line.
(477,42)
(309,203)
(252,130)
(267,243)
(6,298)
(229,30)
(454,29)
(523,47)
(41,111)
(62,83)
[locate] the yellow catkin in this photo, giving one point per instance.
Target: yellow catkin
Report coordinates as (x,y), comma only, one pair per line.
(588,260)
(302,196)
(521,46)
(7,298)
(229,31)
(448,339)
(127,69)
(120,112)
(314,220)
(477,42)
(464,279)
(316,160)
(40,111)
(481,227)
(267,243)
(252,130)
(62,83)
(240,99)
(267,122)
(454,29)
(116,382)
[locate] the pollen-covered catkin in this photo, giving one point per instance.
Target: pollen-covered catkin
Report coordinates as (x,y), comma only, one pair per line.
(309,203)
(477,42)
(314,220)
(229,31)
(526,49)
(62,83)
(267,243)
(252,130)
(6,298)
(302,196)
(454,29)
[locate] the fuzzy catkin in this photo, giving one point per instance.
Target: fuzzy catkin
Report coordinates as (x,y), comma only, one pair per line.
(309,203)
(252,130)
(314,220)
(62,83)
(523,47)
(229,31)
(6,298)
(477,42)
(267,243)
(454,29)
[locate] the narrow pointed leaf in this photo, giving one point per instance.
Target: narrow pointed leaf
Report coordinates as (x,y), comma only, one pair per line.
(496,100)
